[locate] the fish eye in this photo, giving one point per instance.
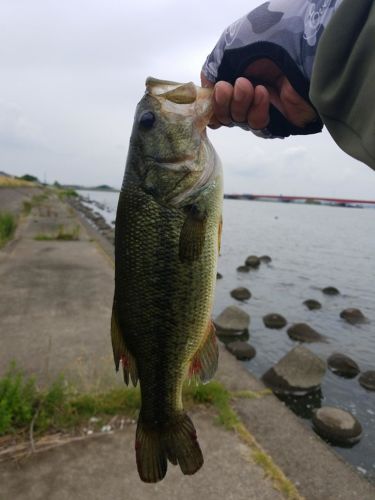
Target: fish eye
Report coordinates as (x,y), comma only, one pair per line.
(147,119)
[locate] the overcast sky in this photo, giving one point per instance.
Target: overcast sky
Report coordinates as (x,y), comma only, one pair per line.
(73,71)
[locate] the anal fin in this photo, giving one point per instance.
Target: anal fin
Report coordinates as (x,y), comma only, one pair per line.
(120,352)
(205,361)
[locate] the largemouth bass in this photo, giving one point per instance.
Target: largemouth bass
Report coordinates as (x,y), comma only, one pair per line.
(168,228)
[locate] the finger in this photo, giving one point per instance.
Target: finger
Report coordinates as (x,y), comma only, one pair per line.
(243,95)
(258,115)
(223,95)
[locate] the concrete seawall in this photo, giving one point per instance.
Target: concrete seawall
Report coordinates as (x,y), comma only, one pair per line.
(55,309)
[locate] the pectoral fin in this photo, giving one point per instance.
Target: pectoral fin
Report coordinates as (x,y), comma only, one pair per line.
(192,235)
(205,360)
(121,352)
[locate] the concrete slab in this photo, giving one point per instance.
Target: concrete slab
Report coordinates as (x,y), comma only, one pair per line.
(56,303)
(104,467)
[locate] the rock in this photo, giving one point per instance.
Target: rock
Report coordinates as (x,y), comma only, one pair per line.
(265,258)
(353,316)
(330,290)
(243,269)
(241,293)
(233,321)
(274,320)
(219,276)
(252,261)
(342,365)
(337,426)
(242,350)
(304,333)
(367,380)
(312,304)
(299,372)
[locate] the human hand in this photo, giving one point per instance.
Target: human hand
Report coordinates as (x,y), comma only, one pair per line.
(248,101)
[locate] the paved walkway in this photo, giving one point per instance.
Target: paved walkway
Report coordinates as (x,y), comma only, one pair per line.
(54,317)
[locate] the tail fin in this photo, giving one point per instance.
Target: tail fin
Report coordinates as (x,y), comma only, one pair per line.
(175,441)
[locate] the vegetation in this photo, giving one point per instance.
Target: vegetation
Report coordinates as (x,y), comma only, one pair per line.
(24,409)
(59,407)
(35,201)
(7,227)
(29,178)
(63,193)
(61,235)
(6,181)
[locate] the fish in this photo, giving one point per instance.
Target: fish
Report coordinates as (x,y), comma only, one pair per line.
(167,239)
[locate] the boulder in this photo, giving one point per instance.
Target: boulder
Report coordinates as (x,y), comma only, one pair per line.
(233,321)
(252,261)
(353,316)
(265,258)
(367,380)
(243,269)
(242,350)
(330,290)
(337,426)
(301,332)
(299,372)
(241,293)
(342,365)
(219,276)
(274,320)
(312,304)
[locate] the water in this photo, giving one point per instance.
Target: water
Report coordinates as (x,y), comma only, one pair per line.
(311,247)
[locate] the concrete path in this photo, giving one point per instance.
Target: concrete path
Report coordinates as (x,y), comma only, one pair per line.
(54,317)
(56,300)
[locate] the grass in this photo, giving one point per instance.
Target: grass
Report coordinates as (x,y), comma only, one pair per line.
(7,227)
(61,235)
(35,201)
(66,193)
(59,407)
(13,182)
(26,409)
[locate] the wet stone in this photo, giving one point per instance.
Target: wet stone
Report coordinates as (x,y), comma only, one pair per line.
(243,269)
(337,426)
(302,332)
(299,372)
(342,365)
(241,293)
(367,380)
(274,320)
(265,258)
(330,290)
(241,350)
(252,261)
(233,321)
(353,316)
(312,304)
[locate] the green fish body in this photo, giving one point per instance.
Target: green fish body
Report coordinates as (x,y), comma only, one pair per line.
(168,229)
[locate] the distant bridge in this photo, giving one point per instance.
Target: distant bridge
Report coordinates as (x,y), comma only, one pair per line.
(306,199)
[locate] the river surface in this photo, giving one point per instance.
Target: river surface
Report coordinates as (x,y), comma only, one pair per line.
(311,246)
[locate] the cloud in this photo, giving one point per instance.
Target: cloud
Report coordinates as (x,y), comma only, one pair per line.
(17,130)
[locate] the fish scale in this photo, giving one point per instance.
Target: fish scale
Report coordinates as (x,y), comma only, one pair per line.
(166,249)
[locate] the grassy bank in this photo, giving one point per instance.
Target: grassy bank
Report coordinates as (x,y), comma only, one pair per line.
(7,227)
(28,413)
(61,407)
